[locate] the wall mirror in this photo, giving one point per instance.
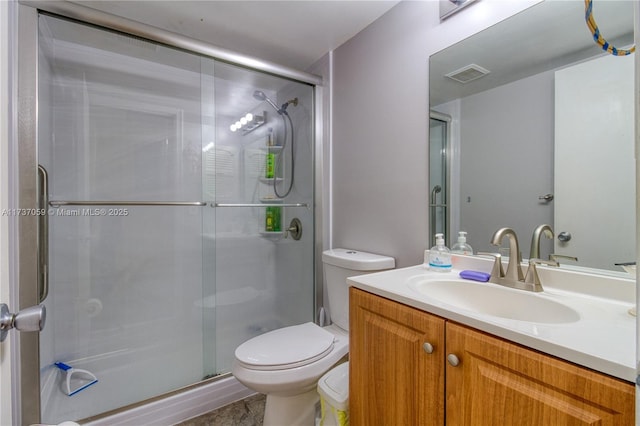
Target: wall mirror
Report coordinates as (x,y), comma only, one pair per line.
(533,123)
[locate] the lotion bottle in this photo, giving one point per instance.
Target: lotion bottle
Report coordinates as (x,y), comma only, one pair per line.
(440,256)
(461,247)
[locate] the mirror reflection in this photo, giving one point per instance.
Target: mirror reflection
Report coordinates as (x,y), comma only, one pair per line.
(533,123)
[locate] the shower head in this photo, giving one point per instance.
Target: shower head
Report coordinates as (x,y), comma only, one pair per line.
(259,95)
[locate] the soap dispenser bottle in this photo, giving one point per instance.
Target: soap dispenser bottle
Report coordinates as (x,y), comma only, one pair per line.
(439,256)
(461,247)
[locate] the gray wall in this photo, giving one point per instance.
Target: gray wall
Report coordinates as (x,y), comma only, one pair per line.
(506,161)
(379,119)
(379,137)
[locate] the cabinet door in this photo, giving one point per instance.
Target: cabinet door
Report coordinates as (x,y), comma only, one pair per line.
(393,380)
(501,383)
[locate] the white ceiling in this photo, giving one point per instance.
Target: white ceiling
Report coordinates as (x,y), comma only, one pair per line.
(546,36)
(290,33)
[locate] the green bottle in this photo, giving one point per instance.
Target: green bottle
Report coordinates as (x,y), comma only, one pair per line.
(269,167)
(269,220)
(276,219)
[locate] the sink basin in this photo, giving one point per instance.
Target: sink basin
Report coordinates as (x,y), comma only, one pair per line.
(495,300)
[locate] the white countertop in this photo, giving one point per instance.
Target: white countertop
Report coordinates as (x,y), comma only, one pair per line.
(603,339)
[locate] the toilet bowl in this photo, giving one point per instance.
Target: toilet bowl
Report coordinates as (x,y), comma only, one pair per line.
(289,374)
(286,364)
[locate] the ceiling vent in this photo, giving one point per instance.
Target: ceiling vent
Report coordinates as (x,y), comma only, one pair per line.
(468,73)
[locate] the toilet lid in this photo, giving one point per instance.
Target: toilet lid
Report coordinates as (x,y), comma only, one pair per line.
(286,347)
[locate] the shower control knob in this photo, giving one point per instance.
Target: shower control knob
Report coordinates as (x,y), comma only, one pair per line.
(294,229)
(29,319)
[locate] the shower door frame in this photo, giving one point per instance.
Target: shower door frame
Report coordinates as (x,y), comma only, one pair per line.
(448,194)
(25,363)
(26,358)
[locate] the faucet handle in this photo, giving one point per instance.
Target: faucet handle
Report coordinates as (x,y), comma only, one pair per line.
(532,272)
(555,257)
(545,262)
(497,271)
(535,261)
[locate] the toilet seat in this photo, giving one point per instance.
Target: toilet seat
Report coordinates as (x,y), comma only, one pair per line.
(287,347)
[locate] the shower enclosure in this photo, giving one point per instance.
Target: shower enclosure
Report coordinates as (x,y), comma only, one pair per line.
(439,159)
(165,244)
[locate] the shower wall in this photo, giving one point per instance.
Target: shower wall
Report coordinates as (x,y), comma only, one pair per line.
(151,298)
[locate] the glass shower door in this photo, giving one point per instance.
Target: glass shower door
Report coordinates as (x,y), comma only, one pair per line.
(264,277)
(438,177)
(120,135)
(160,259)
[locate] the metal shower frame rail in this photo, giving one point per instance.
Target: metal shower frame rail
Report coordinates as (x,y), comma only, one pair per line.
(55,203)
(103,19)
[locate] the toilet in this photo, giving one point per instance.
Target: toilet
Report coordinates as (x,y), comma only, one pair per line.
(286,364)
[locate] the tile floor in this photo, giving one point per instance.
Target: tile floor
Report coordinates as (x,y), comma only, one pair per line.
(247,412)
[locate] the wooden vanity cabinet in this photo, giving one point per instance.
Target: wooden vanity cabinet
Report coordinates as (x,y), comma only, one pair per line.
(394,381)
(501,383)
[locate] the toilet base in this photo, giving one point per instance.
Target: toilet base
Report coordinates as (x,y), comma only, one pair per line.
(297,410)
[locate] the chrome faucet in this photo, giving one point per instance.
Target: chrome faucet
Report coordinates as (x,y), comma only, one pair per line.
(514,272)
(514,277)
(535,239)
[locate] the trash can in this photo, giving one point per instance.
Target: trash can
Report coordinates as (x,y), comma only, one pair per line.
(333,388)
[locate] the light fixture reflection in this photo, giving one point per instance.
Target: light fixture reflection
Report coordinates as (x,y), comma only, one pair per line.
(248,123)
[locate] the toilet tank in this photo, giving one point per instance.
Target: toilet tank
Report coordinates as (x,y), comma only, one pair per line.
(339,264)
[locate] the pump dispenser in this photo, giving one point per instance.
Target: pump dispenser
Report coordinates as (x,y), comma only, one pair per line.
(461,247)
(440,256)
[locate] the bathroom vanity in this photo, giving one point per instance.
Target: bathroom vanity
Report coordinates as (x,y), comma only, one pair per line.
(423,360)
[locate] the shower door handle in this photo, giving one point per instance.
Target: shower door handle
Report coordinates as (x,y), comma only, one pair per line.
(43,234)
(28,319)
